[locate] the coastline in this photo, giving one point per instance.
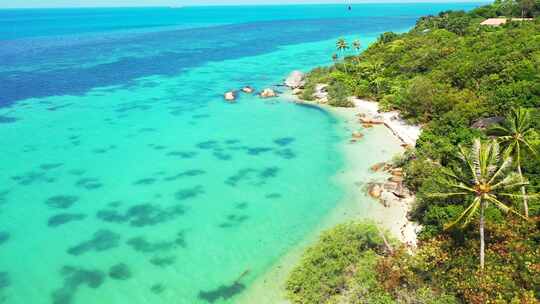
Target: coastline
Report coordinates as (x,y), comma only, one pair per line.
(391,216)
(407,133)
(380,142)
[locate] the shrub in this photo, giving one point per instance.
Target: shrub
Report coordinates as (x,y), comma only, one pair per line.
(387,37)
(337,95)
(315,76)
(326,267)
(512,273)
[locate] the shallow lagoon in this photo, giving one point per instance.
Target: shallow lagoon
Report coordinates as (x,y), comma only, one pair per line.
(126,178)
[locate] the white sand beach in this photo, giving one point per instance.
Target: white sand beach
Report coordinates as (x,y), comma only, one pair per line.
(407,133)
(380,143)
(392,217)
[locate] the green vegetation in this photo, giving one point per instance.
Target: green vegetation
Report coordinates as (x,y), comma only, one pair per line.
(455,78)
(343,267)
(485,178)
(329,267)
(449,264)
(514,134)
(342,46)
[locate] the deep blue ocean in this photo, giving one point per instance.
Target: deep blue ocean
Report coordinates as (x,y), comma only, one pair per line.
(125,177)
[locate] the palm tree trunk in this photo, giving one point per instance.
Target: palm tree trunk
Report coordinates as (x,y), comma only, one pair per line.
(345,63)
(523,192)
(385,241)
(482,241)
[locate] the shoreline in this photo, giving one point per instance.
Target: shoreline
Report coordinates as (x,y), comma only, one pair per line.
(356,204)
(407,133)
(366,114)
(391,216)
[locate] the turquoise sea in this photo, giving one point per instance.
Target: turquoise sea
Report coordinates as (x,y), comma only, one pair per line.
(125,178)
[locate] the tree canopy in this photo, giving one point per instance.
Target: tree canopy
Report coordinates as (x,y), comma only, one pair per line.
(449,73)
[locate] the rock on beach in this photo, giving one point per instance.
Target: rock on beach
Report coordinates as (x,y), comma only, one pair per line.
(295,80)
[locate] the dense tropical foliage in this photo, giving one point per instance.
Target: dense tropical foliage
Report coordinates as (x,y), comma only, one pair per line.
(515,134)
(476,91)
(485,179)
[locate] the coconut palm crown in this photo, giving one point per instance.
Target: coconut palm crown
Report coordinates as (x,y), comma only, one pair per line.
(513,135)
(342,46)
(486,179)
(357,45)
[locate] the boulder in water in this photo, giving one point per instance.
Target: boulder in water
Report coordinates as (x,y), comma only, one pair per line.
(375,190)
(357,135)
(295,80)
(248,89)
(230,96)
(267,93)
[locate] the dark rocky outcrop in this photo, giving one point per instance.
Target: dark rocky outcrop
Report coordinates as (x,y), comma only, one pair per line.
(485,123)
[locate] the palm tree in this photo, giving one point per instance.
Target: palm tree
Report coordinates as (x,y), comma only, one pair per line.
(514,135)
(485,178)
(334,58)
(526,6)
(357,46)
(342,46)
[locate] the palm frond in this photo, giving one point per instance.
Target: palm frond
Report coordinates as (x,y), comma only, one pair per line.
(519,196)
(515,131)
(499,130)
(478,156)
(472,212)
(522,119)
(463,214)
(449,173)
(456,174)
(529,132)
(445,195)
(464,155)
(507,162)
(503,207)
(494,154)
(530,147)
(510,148)
(510,186)
(460,186)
